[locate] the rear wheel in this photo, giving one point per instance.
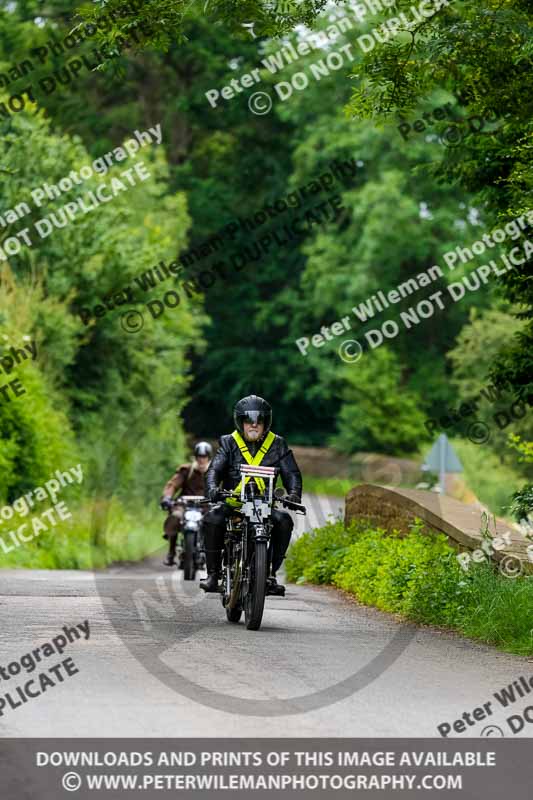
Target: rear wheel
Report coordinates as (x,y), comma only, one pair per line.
(189,567)
(254,602)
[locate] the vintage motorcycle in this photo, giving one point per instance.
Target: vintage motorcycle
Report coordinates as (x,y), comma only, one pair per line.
(190,544)
(247,538)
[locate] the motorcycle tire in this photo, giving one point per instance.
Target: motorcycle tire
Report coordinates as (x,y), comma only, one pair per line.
(234,614)
(254,602)
(189,567)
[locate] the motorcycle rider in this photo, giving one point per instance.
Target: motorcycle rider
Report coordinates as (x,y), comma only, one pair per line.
(253,417)
(188,479)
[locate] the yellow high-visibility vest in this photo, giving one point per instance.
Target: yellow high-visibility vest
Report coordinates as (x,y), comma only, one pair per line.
(253,461)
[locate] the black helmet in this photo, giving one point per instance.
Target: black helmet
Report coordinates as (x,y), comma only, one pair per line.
(203,449)
(252,409)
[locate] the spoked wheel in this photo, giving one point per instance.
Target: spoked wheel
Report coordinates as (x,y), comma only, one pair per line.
(254,602)
(189,567)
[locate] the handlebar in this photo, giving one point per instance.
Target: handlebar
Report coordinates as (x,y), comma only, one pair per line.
(224,494)
(298,507)
(184,500)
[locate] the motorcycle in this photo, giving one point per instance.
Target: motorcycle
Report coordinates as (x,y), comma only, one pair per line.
(246,545)
(190,544)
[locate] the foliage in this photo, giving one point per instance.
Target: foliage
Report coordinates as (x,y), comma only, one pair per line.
(164,21)
(478,345)
(379,411)
(524,448)
(522,501)
(335,487)
(121,402)
(73,544)
(522,504)
(395,224)
(35,431)
(487,474)
(90,382)
(317,556)
(482,53)
(418,576)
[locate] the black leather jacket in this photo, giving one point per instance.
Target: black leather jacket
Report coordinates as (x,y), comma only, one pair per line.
(226,464)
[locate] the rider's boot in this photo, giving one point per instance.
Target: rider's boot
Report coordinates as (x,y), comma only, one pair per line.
(214,570)
(171,555)
(210,584)
(273,587)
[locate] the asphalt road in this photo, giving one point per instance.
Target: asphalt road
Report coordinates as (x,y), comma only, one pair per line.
(162,660)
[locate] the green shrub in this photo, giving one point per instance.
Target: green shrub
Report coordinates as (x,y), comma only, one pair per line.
(316,556)
(418,576)
(499,610)
(335,487)
(72,544)
(491,480)
(36,438)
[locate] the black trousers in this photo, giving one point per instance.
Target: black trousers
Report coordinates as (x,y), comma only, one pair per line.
(214,526)
(171,527)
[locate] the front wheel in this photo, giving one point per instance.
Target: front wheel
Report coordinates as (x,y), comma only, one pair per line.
(189,567)
(254,601)
(234,614)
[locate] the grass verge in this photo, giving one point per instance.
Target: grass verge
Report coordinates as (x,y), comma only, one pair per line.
(335,487)
(492,482)
(417,576)
(96,535)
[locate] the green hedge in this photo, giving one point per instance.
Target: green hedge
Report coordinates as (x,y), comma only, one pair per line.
(417,576)
(99,533)
(334,487)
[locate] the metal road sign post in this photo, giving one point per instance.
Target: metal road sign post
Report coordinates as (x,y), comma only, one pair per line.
(442,459)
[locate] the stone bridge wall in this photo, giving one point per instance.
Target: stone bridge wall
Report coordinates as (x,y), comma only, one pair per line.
(462,524)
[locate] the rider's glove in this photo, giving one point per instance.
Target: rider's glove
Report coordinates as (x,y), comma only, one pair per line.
(166,503)
(212,495)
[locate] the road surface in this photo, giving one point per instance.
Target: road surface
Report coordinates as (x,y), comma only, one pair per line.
(321,665)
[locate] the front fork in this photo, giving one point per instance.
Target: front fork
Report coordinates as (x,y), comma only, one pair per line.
(180,541)
(256,533)
(236,587)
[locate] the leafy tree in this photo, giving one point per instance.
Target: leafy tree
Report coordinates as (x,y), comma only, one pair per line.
(409,201)
(395,225)
(103,373)
(163,22)
(35,431)
(482,53)
(522,505)
(478,345)
(378,411)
